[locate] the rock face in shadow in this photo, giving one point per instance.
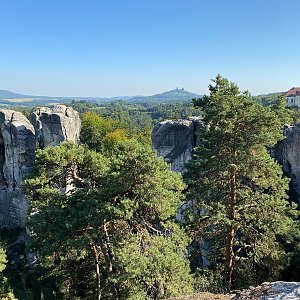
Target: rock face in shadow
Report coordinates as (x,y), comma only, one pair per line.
(287,153)
(17,147)
(175,140)
(54,125)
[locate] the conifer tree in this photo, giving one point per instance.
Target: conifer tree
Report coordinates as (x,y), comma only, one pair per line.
(105,226)
(237,190)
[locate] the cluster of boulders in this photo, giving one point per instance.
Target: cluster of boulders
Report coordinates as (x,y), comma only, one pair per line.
(19,137)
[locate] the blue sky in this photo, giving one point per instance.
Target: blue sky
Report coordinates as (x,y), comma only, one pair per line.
(142,47)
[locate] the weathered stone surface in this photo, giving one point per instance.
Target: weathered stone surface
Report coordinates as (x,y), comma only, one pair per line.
(175,140)
(17,147)
(287,152)
(56,124)
(278,290)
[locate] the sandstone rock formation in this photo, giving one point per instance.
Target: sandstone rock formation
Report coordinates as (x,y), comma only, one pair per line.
(54,125)
(175,140)
(287,153)
(278,290)
(17,147)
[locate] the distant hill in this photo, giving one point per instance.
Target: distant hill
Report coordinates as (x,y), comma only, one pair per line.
(10,95)
(8,98)
(169,96)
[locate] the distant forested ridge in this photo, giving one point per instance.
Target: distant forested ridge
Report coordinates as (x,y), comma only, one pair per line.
(8,98)
(138,116)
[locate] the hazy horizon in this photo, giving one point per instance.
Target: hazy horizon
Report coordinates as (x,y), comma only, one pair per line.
(116,96)
(126,48)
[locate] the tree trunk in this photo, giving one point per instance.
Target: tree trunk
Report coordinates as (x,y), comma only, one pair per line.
(97,267)
(109,258)
(231,229)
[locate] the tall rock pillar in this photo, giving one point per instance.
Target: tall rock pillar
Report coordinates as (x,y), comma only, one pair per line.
(17,147)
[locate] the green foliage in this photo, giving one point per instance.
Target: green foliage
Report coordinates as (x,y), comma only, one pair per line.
(153,270)
(283,113)
(5,290)
(105,125)
(3,260)
(295,114)
(172,111)
(105,134)
(135,116)
(238,188)
(292,272)
(207,280)
(95,129)
(106,225)
(268,99)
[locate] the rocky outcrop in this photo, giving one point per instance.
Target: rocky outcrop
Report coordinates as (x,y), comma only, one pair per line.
(287,153)
(175,140)
(54,125)
(17,147)
(277,290)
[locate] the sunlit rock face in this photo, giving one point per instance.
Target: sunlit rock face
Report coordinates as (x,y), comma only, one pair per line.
(18,139)
(175,140)
(54,125)
(278,290)
(287,153)
(17,148)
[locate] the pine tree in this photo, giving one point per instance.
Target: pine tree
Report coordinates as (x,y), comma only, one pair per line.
(237,190)
(105,226)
